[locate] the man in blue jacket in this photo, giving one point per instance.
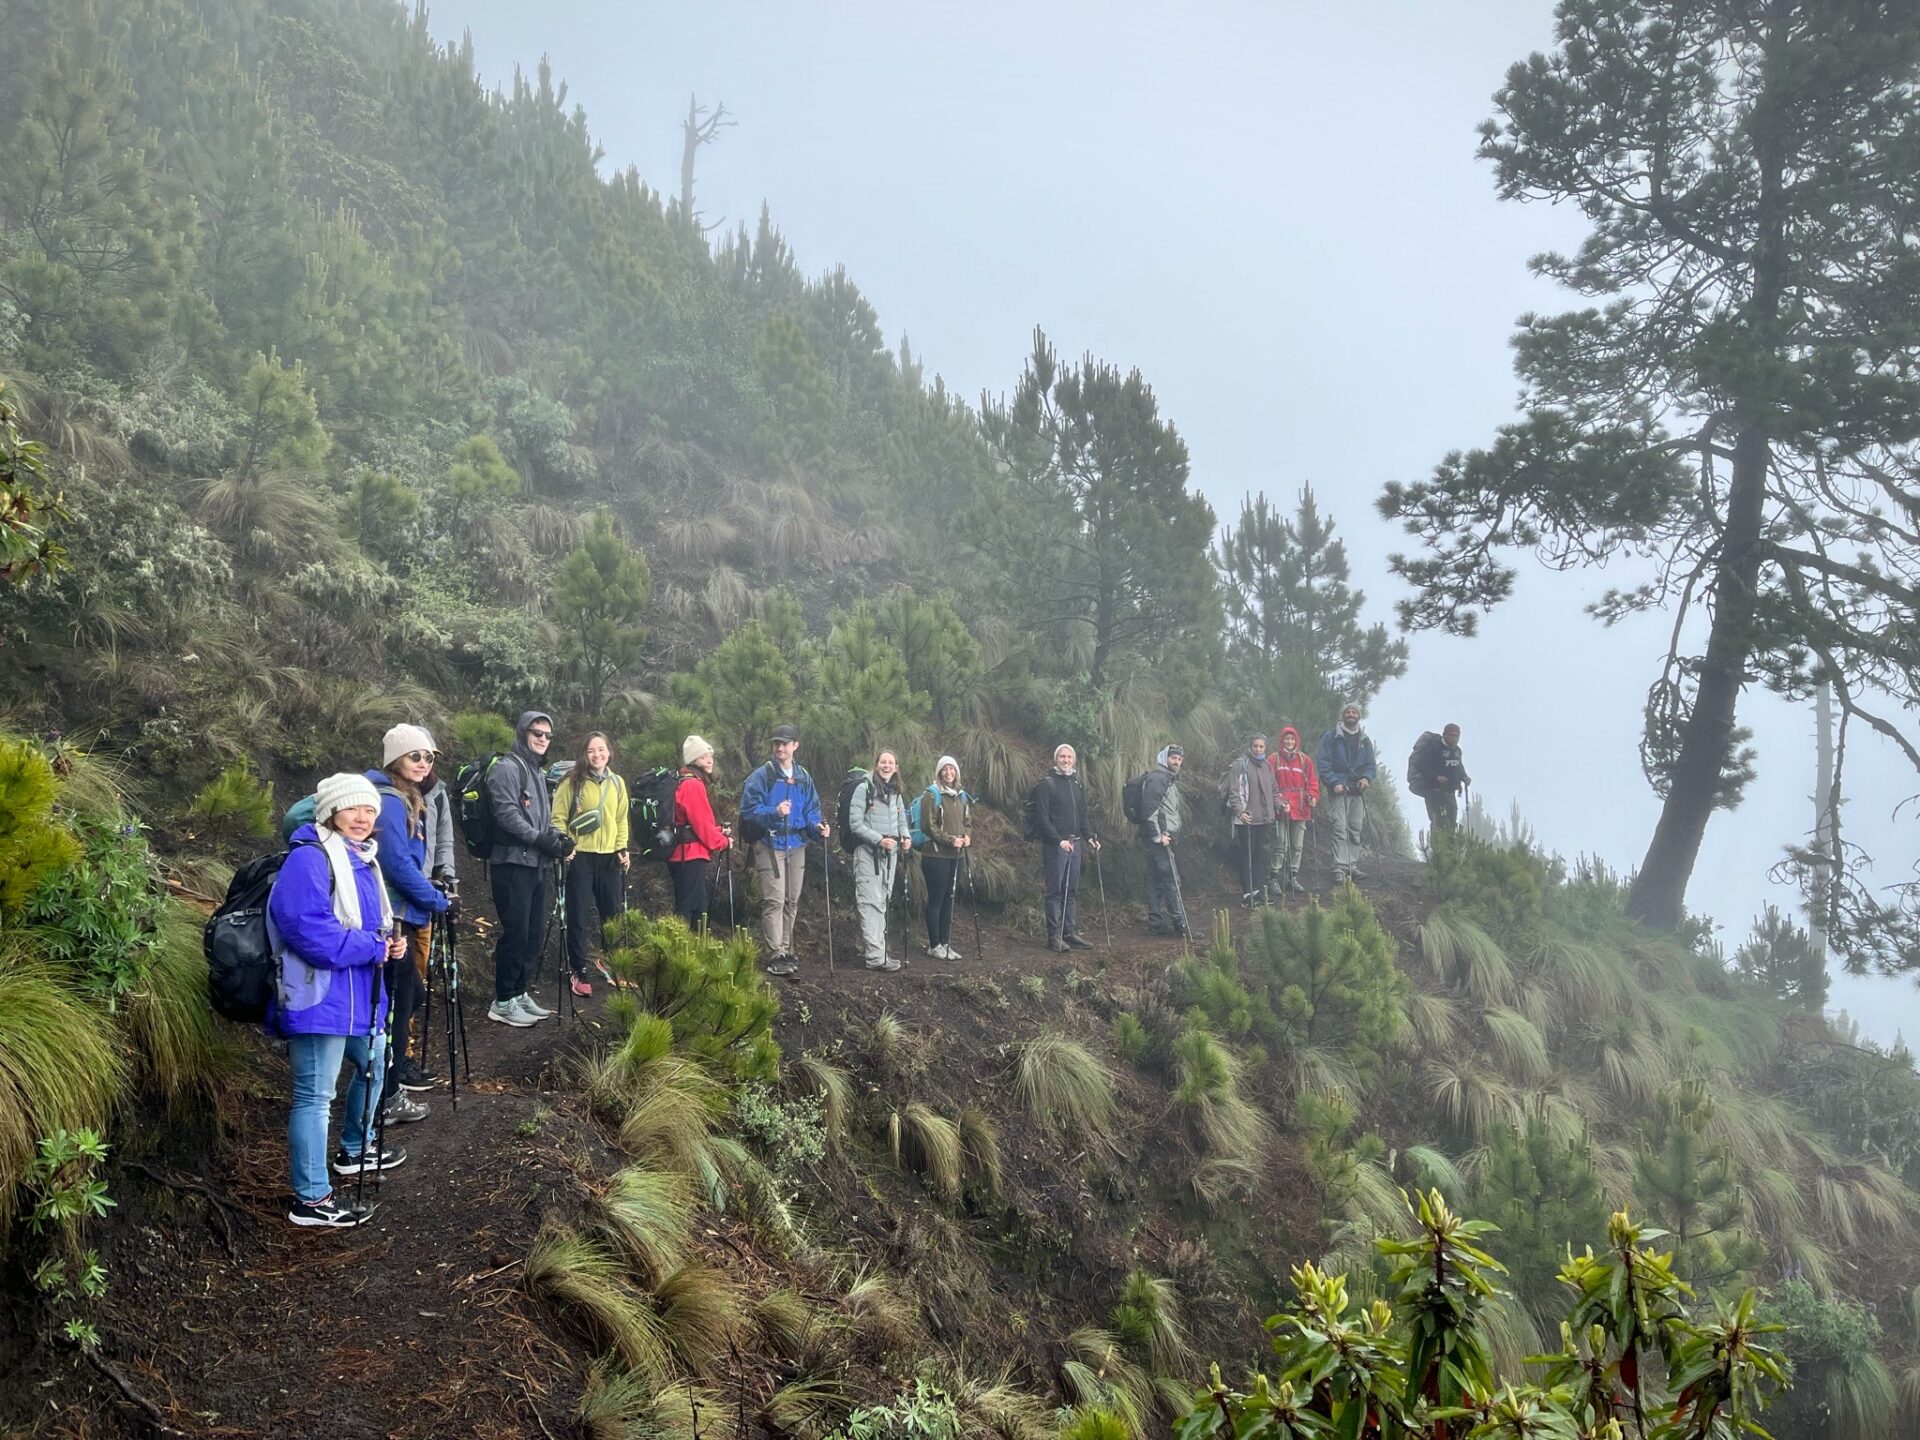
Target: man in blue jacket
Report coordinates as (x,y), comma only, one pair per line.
(779,812)
(1347,771)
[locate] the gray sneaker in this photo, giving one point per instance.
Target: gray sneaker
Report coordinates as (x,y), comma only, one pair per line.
(885,963)
(508,1012)
(402,1110)
(528,1010)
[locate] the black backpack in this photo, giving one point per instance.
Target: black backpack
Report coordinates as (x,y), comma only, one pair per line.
(1423,750)
(843,808)
(240,963)
(652,834)
(1030,812)
(1133,798)
(470,802)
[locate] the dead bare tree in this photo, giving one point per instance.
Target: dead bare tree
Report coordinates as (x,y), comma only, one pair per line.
(699,128)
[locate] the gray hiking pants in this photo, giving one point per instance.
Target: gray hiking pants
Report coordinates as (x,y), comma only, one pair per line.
(1348,814)
(1289,848)
(1163,887)
(872,886)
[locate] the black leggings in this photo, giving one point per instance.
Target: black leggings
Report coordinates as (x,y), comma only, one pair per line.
(594,883)
(940,875)
(690,889)
(407,993)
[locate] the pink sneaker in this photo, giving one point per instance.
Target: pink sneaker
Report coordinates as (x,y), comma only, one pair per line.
(581,986)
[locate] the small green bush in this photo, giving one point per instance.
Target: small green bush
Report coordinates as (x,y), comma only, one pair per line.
(1129,1037)
(235,801)
(792,1132)
(475,733)
(710,992)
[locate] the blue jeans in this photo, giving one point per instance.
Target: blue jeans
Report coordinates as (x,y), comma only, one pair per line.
(316,1063)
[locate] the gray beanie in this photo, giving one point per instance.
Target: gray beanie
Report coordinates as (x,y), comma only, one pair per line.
(338,792)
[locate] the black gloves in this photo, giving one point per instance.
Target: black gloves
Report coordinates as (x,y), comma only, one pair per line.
(555,845)
(445,878)
(452,912)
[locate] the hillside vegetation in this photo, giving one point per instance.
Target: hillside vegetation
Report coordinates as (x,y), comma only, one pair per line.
(355,393)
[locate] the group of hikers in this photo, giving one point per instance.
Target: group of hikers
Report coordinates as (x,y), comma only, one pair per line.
(370,871)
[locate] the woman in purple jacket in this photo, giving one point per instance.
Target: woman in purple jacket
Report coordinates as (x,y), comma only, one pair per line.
(332,927)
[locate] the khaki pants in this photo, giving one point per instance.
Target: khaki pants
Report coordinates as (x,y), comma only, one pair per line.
(780,873)
(1289,847)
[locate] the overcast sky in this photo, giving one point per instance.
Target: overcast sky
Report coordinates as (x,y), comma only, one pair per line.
(1274,211)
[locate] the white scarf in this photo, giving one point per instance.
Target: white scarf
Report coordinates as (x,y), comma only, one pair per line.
(346,894)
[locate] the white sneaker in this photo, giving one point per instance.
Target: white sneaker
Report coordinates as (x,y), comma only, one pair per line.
(528,1010)
(508,1012)
(951,953)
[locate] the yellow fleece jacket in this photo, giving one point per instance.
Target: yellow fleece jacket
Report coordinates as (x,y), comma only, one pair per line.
(609,797)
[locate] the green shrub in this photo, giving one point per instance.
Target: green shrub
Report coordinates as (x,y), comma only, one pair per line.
(792,1133)
(32,846)
(60,1064)
(1498,887)
(1129,1037)
(474,733)
(711,993)
(236,802)
(100,916)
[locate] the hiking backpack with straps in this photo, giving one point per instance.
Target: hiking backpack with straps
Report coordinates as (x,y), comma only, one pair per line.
(1423,749)
(651,833)
(475,807)
(1030,812)
(240,960)
(843,808)
(914,830)
(1133,798)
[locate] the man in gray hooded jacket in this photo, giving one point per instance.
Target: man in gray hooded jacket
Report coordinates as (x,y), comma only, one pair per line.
(525,844)
(1160,807)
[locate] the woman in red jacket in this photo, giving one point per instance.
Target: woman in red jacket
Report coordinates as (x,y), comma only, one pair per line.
(1299,784)
(698,835)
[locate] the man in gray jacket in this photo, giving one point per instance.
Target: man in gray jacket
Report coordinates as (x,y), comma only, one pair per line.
(1160,807)
(1253,802)
(525,844)
(877,818)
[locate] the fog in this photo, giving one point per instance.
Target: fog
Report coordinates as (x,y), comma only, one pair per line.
(1274,211)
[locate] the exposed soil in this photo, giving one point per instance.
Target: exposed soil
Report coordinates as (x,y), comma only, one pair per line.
(228,1321)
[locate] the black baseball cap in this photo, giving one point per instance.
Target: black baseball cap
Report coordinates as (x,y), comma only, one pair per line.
(786,732)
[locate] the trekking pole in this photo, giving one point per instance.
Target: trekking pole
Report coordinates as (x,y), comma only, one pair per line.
(1101,879)
(973,896)
(426,1004)
(733,919)
(1186,929)
(557,927)
(826,870)
(370,1088)
(895,885)
(1246,845)
(438,958)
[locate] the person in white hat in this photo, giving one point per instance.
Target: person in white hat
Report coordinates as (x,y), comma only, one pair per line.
(698,836)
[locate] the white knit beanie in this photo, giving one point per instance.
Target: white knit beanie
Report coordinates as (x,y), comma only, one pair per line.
(404,740)
(337,792)
(694,749)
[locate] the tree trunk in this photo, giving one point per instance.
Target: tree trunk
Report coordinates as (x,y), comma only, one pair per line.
(1659,892)
(1822,815)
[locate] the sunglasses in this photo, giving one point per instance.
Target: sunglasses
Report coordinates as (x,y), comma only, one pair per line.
(416,756)
(539,734)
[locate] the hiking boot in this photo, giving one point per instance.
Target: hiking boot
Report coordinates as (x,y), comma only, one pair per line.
(581,986)
(508,1012)
(532,1006)
(327,1213)
(1357,874)
(1074,942)
(781,966)
(1294,887)
(886,964)
(1057,946)
(1179,931)
(402,1111)
(391,1158)
(412,1075)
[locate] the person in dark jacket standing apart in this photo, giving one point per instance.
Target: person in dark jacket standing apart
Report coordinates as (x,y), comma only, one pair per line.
(946,814)
(525,842)
(877,817)
(1347,772)
(1060,817)
(592,810)
(332,929)
(401,833)
(1298,783)
(1252,800)
(779,813)
(1437,773)
(1159,831)
(698,837)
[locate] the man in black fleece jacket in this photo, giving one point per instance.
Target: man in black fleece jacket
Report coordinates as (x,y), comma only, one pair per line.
(1060,816)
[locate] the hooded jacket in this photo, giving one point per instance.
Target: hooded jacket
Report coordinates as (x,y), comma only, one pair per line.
(403,855)
(1297,778)
(698,834)
(944,814)
(327,919)
(439,825)
(760,798)
(522,808)
(1160,799)
(1346,759)
(1250,790)
(878,811)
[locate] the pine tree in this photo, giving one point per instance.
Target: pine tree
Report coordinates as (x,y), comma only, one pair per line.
(1293,622)
(741,691)
(862,700)
(1544,1195)
(1782,959)
(940,654)
(601,592)
(1687,1182)
(1098,531)
(1735,403)
(477,475)
(801,430)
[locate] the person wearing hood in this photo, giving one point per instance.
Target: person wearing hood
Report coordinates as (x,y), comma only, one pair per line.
(1252,804)
(1298,783)
(1059,804)
(1159,832)
(525,844)
(1437,773)
(698,836)
(1348,768)
(593,808)
(401,834)
(944,837)
(877,816)
(331,924)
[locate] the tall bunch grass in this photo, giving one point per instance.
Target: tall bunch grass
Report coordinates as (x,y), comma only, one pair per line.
(1064,1087)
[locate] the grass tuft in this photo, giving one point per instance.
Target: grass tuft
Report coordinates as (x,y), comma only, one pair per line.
(700,1312)
(649,1216)
(879,1317)
(1063,1087)
(930,1143)
(814,1074)
(980,1150)
(1461,952)
(586,1281)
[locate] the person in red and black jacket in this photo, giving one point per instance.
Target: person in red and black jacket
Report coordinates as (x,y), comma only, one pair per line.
(698,836)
